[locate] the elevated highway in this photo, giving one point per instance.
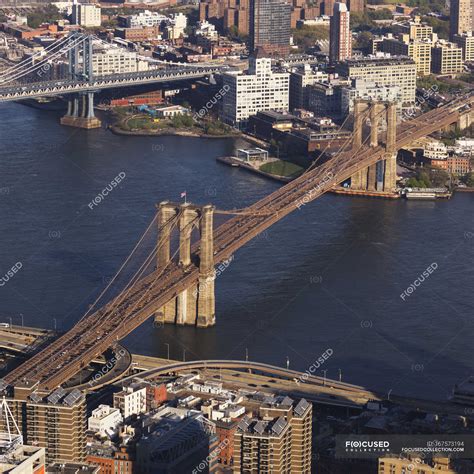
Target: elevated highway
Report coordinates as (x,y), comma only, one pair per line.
(266,377)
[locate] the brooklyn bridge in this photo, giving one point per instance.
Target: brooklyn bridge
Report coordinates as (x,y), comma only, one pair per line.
(179,288)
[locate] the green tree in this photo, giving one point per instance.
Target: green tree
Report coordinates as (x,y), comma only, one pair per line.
(306,36)
(439,26)
(413,183)
(438,178)
(424,179)
(363,41)
(468,179)
(47,14)
(235,35)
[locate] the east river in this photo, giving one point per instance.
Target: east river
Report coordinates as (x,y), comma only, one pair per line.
(329,276)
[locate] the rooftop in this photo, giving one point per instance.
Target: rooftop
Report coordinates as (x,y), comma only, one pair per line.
(379,61)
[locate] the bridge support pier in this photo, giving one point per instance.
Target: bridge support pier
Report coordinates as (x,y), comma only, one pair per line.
(166,213)
(206,295)
(80,113)
(379,177)
(196,305)
(187,299)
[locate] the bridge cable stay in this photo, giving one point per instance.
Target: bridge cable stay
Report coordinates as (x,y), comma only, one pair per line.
(347,141)
(365,115)
(367,139)
(58,342)
(160,273)
(130,282)
(142,238)
(137,276)
(41,54)
(139,273)
(242,212)
(353,152)
(137,303)
(19,74)
(16,73)
(245,211)
(28,60)
(16,70)
(108,311)
(38,66)
(153,254)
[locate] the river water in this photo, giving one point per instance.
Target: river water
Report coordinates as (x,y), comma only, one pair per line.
(329,276)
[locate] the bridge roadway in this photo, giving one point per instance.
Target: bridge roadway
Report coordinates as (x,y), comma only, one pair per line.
(281,380)
(66,86)
(100,330)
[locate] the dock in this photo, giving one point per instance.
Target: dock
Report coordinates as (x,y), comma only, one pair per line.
(239,163)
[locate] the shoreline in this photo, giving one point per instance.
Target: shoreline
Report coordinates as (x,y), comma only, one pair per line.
(166,133)
(245,166)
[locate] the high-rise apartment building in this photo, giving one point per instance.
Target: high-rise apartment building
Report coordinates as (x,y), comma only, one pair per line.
(278,441)
(86,14)
(466,42)
(446,58)
(461,17)
(300,80)
(262,446)
(57,422)
(226,13)
(260,89)
(270,27)
(415,29)
(417,49)
(115,60)
(395,71)
(340,38)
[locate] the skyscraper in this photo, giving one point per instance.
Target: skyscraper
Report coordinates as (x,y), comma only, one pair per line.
(270,22)
(340,39)
(462,17)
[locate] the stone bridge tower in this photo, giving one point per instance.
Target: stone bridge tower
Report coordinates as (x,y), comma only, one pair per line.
(194,306)
(382,176)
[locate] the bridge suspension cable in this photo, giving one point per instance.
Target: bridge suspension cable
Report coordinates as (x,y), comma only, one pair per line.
(144,295)
(142,238)
(19,74)
(28,60)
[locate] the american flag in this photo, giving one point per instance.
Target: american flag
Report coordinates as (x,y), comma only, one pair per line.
(183,194)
